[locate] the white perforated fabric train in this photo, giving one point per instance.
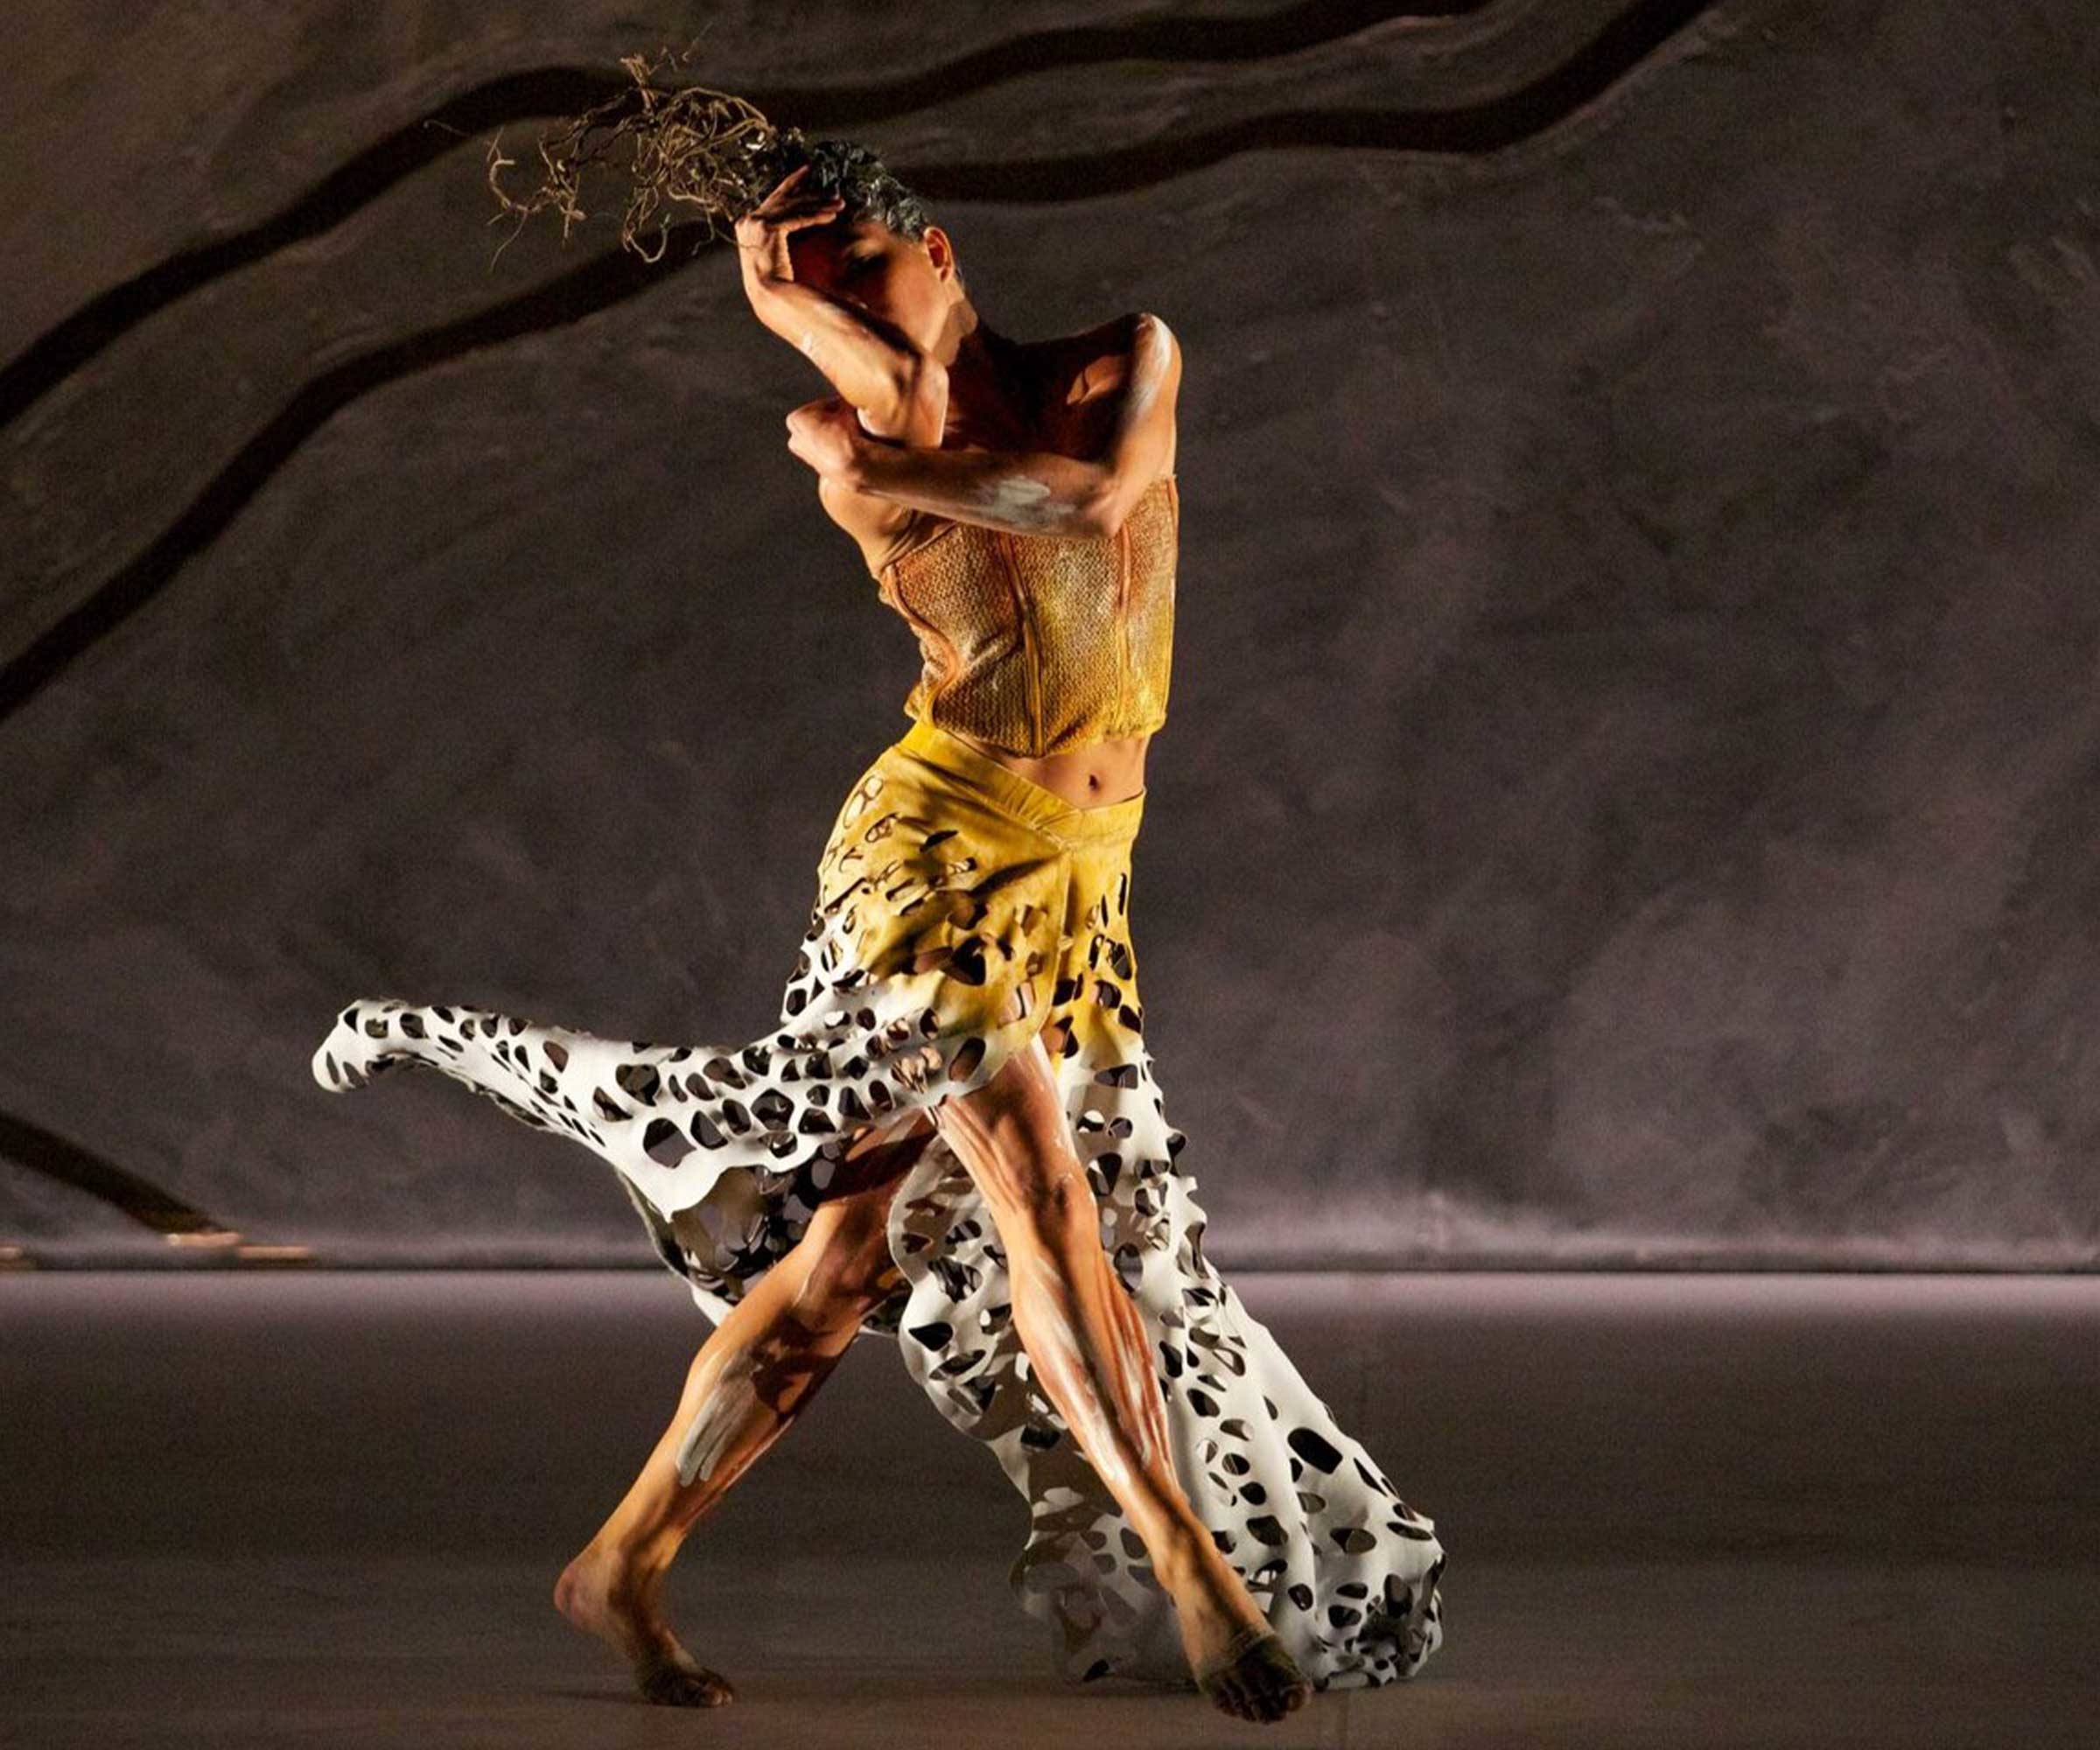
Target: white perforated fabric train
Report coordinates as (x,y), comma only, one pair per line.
(964,914)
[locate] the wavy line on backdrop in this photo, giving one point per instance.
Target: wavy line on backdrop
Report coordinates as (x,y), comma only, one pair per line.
(75,339)
(609,279)
(52,1157)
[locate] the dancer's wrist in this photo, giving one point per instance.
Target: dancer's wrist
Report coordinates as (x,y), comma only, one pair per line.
(876,462)
(859,471)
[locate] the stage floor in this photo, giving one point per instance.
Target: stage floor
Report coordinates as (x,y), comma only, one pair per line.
(328,1509)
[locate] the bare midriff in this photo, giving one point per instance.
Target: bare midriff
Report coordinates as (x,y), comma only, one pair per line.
(1089,777)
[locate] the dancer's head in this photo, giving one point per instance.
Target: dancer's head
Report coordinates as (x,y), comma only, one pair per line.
(847,169)
(881,252)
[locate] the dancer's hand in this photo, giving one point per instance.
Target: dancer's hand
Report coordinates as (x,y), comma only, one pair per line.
(827,434)
(762,233)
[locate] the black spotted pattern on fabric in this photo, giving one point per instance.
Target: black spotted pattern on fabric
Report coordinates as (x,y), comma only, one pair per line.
(948,935)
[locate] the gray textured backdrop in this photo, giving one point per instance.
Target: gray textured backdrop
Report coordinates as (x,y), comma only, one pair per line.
(1630,788)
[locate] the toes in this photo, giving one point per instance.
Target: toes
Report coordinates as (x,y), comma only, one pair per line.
(1290,1700)
(669,1685)
(1264,1687)
(1263,1683)
(669,1688)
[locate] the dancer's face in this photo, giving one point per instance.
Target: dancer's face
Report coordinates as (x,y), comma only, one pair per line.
(908,281)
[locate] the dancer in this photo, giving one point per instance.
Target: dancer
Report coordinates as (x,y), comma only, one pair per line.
(954,1138)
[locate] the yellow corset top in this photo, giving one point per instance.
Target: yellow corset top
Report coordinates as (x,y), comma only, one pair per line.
(1041,643)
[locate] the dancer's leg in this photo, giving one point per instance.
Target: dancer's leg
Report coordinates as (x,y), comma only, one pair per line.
(754,1377)
(1088,1346)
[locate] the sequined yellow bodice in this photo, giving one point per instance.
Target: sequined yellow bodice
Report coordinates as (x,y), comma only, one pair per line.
(1038,644)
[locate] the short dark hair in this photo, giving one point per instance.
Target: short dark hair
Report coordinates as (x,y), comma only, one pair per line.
(846,168)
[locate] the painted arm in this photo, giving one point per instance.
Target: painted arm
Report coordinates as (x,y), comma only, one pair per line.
(874,367)
(1033,492)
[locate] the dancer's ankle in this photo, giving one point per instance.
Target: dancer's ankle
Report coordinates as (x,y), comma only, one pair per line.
(640,1559)
(1187,1556)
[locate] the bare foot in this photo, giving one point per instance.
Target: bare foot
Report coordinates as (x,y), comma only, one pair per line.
(1237,1659)
(1255,1676)
(603,1598)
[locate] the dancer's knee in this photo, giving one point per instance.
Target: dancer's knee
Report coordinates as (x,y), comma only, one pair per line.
(1011,1135)
(843,1261)
(1054,1208)
(1038,1196)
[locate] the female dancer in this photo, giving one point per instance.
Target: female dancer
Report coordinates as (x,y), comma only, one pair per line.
(954,1138)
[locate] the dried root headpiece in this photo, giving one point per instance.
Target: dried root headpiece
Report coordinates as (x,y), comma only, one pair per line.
(697,147)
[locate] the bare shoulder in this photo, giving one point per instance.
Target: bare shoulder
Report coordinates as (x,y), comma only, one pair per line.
(1083,374)
(1107,352)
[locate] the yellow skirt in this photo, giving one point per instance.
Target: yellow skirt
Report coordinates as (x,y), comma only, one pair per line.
(963,914)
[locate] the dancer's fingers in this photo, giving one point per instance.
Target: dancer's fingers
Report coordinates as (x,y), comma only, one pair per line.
(815,215)
(788,198)
(760,231)
(779,189)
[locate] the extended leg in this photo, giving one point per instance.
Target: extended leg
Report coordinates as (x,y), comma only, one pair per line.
(752,1377)
(1088,1346)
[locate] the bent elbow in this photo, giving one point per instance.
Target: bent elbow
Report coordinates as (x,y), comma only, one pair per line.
(918,408)
(911,396)
(1101,510)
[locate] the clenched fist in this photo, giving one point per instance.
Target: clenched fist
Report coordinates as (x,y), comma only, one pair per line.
(827,435)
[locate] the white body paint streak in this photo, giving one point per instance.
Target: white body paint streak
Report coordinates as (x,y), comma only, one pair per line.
(1099,1439)
(1151,1422)
(1091,1425)
(1155,353)
(808,343)
(726,1408)
(1089,1416)
(1146,1412)
(1018,498)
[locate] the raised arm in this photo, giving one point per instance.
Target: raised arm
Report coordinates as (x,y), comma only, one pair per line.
(1034,491)
(898,390)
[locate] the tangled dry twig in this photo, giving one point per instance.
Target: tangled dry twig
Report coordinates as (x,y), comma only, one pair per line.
(695,147)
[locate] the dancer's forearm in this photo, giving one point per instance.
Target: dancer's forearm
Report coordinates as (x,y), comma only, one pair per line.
(1024,492)
(878,373)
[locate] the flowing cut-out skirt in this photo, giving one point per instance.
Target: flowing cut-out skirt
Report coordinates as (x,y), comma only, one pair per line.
(964,914)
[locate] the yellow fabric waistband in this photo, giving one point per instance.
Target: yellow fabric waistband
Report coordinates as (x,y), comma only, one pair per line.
(1023,798)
